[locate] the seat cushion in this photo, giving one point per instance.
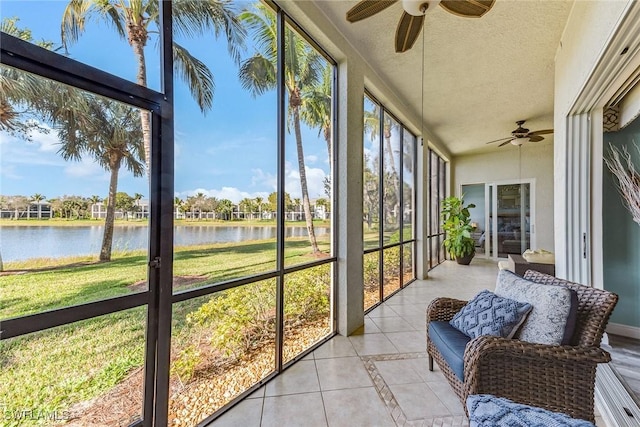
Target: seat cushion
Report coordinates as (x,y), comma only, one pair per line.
(451,343)
(486,410)
(489,314)
(553,317)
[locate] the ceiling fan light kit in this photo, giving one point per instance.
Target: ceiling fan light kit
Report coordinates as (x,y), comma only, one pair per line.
(419,7)
(410,24)
(521,135)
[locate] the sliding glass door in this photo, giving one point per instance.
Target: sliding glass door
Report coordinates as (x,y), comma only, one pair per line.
(503,217)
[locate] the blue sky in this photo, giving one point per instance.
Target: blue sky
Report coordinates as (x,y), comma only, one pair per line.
(228,153)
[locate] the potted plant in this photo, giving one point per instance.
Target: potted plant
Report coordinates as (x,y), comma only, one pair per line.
(456,222)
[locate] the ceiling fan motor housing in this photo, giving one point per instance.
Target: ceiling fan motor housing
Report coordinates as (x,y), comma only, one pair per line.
(418,7)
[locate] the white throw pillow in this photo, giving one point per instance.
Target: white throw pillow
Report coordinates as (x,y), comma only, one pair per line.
(547,321)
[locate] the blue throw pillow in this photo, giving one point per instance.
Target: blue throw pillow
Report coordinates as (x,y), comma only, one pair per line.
(486,410)
(489,314)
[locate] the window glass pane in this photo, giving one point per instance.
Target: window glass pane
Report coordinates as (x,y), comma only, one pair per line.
(391,181)
(407,263)
(226,165)
(89,371)
(408,184)
(442,180)
(391,270)
(308,88)
(434,188)
(371,177)
(136,47)
(221,345)
(74,199)
(371,279)
(307,309)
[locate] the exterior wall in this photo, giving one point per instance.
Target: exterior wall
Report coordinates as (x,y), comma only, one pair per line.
(502,165)
(589,27)
(590,33)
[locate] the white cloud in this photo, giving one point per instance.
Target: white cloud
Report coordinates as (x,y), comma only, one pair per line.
(86,168)
(264,179)
(311,159)
(9,172)
(315,181)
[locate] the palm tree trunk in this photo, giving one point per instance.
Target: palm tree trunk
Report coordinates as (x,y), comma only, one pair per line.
(303,183)
(145,116)
(107,238)
(394,172)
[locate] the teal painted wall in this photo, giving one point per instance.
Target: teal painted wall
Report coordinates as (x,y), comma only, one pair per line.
(621,241)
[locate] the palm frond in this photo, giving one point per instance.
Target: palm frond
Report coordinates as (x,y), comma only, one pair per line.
(261,23)
(196,75)
(198,17)
(257,75)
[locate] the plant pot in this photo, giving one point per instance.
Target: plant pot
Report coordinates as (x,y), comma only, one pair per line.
(465,260)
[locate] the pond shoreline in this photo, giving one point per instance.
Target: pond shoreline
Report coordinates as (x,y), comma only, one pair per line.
(144,223)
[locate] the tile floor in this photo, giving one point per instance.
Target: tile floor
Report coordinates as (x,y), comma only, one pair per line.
(376,377)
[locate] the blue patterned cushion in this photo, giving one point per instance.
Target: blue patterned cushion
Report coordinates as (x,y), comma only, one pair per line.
(486,410)
(489,314)
(553,306)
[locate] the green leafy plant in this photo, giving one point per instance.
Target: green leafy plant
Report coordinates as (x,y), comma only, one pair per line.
(456,222)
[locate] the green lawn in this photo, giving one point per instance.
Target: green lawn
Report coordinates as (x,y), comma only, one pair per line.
(53,369)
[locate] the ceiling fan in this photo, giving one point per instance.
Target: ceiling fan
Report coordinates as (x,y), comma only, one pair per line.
(412,17)
(522,135)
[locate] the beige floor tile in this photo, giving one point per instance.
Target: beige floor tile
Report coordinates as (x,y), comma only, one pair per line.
(408,342)
(410,308)
(360,407)
(418,401)
(303,410)
(392,324)
(445,393)
(369,344)
(383,310)
(341,373)
(258,394)
(337,346)
(301,377)
(419,323)
(246,413)
(398,371)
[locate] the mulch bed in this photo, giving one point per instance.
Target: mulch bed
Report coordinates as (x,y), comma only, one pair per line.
(217,381)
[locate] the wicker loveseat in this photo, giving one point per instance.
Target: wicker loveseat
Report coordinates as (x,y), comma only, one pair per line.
(558,378)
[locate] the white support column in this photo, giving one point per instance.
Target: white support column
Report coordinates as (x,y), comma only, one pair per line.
(350,295)
(422,217)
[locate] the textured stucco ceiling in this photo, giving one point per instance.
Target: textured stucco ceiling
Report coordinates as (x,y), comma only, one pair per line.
(481,75)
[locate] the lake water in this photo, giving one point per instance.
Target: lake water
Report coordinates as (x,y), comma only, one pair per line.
(23,242)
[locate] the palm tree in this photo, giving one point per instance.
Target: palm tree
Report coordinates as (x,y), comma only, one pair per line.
(259,202)
(107,130)
(177,205)
(37,198)
(20,92)
(317,111)
(303,69)
(136,199)
(132,20)
(372,125)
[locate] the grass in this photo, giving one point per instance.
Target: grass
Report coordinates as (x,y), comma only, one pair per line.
(56,368)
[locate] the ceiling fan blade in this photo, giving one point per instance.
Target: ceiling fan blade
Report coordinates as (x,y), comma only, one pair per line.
(535,138)
(408,31)
(498,140)
(367,8)
(541,132)
(506,142)
(467,8)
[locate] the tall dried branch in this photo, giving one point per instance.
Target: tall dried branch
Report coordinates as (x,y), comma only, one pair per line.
(621,165)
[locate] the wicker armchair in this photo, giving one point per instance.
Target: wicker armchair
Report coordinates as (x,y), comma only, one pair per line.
(557,378)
